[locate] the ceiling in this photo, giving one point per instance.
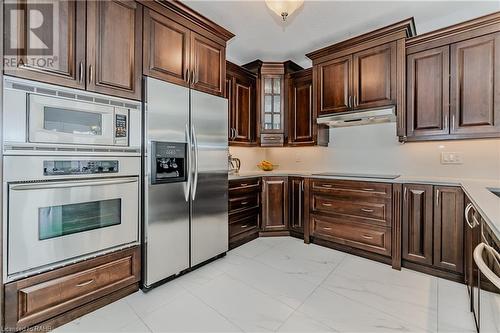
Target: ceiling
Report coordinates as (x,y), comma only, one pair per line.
(260,34)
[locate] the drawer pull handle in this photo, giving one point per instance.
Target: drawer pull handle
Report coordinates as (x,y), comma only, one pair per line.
(367,210)
(326,204)
(327,185)
(367,236)
(368,189)
(327,228)
(244,184)
(245,226)
(244,202)
(86,283)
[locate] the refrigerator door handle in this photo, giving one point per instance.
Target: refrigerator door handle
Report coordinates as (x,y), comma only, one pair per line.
(195,150)
(187,187)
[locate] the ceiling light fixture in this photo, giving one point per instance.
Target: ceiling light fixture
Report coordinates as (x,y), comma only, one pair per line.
(284,8)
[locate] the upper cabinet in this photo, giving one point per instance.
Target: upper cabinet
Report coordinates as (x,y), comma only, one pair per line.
(184,48)
(91,53)
(362,73)
(453,82)
(114,42)
(241,86)
(64,65)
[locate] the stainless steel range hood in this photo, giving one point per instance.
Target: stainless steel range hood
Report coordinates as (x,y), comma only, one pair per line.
(359,118)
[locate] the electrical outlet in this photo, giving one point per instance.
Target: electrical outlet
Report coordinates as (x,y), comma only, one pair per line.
(451,158)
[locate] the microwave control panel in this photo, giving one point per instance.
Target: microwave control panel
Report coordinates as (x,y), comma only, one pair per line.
(120,126)
(79,167)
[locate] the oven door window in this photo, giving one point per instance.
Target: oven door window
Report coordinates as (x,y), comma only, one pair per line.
(57,221)
(71,121)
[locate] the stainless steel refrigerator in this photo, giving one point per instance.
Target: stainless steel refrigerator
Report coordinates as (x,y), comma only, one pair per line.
(185,179)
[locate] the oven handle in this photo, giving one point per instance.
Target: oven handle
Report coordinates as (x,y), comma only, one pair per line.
(71,183)
(478,258)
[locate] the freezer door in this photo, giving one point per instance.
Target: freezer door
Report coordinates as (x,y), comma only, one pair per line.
(209,206)
(166,211)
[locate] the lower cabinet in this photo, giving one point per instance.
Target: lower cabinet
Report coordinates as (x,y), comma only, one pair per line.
(433,228)
(354,216)
(53,298)
(296,205)
(274,204)
(244,210)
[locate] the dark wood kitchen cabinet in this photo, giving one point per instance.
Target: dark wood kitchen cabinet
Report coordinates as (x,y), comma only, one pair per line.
(428,93)
(165,49)
(417,223)
(475,86)
(453,82)
(114,42)
(244,210)
(333,85)
(433,229)
(56,297)
(296,205)
(302,127)
(67,67)
(274,205)
(241,86)
(93,53)
(182,47)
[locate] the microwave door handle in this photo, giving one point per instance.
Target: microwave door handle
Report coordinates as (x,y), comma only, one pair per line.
(70,183)
(187,187)
(195,150)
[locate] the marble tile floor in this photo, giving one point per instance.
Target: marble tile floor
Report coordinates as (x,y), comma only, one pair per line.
(283,285)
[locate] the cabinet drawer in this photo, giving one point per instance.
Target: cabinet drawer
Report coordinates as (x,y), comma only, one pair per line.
(378,212)
(41,297)
(243,186)
(246,202)
(366,237)
(352,189)
(272,140)
(245,224)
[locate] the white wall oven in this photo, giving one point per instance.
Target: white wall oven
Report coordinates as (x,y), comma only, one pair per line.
(61,209)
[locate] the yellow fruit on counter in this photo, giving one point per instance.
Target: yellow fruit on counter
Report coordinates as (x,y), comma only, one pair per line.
(265,165)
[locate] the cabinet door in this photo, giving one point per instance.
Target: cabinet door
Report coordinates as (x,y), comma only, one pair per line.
(449,228)
(230,108)
(274,203)
(417,223)
(427,85)
(302,120)
(244,109)
(475,86)
(114,42)
(334,85)
(374,77)
(296,216)
(61,61)
(208,65)
(165,49)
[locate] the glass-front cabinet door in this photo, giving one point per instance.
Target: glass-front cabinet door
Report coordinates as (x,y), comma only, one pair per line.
(272,104)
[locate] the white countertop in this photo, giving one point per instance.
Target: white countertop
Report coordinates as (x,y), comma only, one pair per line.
(477,190)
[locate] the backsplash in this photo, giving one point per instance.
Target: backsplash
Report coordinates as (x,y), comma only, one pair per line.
(375,149)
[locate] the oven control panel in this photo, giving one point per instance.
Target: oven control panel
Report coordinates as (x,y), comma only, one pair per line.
(79,167)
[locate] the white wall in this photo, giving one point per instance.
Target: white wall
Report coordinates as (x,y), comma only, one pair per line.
(375,149)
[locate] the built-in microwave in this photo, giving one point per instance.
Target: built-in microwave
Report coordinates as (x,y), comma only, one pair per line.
(40,115)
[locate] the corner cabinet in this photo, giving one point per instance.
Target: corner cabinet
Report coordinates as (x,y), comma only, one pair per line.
(275,205)
(302,128)
(296,205)
(433,230)
(453,82)
(93,53)
(191,53)
(241,88)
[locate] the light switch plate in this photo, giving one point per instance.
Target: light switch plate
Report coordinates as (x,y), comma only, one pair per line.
(448,157)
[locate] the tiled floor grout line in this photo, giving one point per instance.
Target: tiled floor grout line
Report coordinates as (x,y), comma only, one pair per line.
(138,316)
(312,292)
